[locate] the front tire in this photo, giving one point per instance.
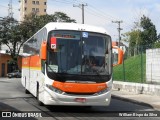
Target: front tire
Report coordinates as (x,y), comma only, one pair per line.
(39,102)
(26,91)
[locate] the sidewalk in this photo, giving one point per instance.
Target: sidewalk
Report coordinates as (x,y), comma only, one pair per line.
(142,99)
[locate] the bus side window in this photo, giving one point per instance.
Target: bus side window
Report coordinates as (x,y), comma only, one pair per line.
(43,66)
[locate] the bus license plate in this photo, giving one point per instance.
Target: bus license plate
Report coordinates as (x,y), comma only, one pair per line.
(80,100)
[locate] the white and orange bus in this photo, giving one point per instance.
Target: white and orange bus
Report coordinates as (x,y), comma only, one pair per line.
(69,64)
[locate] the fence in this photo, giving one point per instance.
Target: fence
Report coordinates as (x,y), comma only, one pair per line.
(134,68)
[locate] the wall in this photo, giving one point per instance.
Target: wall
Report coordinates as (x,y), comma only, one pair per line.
(4,58)
(138,88)
(153,65)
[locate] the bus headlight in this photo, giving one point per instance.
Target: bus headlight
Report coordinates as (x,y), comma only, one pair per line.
(103,91)
(54,89)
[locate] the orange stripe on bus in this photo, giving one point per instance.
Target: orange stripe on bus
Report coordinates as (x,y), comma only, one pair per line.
(79,87)
(31,61)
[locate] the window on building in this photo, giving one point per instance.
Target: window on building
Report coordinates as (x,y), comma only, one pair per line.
(34,2)
(25,9)
(37,9)
(37,2)
(45,3)
(44,10)
(33,9)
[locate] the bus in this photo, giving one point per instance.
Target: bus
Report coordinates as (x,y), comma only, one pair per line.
(69,64)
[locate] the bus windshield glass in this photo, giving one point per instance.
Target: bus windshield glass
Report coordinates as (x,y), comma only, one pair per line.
(79,53)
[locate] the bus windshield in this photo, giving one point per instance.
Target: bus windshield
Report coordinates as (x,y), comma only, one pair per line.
(79,53)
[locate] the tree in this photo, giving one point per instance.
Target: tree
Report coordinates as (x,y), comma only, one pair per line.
(144,35)
(13,34)
(134,39)
(149,32)
(33,23)
(157,45)
(62,17)
(11,37)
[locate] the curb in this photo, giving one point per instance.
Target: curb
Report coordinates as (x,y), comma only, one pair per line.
(132,101)
(148,89)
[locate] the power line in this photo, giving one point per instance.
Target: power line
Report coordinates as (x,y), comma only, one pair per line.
(119,30)
(7,7)
(93,10)
(4,6)
(82,7)
(102,13)
(64,1)
(97,15)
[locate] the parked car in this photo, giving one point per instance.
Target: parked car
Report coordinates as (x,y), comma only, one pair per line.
(16,73)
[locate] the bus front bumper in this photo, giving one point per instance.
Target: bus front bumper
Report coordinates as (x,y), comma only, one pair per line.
(52,98)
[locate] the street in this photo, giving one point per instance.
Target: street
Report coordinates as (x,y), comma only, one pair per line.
(13,98)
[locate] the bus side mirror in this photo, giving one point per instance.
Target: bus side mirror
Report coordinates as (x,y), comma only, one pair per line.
(117,55)
(44,50)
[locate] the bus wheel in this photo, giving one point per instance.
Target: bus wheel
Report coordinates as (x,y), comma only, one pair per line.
(26,91)
(39,102)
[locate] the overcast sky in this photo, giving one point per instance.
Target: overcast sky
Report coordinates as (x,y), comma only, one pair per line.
(100,12)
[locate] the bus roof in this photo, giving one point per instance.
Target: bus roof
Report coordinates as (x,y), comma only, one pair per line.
(74,26)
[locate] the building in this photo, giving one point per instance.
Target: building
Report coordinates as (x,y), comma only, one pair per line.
(32,6)
(5,58)
(5,66)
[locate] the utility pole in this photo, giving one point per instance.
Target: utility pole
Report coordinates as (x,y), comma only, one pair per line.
(10,9)
(82,7)
(119,30)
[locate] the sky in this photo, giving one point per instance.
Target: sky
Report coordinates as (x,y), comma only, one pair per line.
(100,12)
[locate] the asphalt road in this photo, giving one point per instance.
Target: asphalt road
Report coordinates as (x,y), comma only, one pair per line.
(13,98)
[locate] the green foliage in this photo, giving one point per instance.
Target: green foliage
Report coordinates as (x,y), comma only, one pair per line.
(32,23)
(133,71)
(134,37)
(62,17)
(14,34)
(157,45)
(149,33)
(10,35)
(144,34)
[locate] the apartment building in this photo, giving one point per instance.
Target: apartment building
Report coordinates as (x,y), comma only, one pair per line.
(28,6)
